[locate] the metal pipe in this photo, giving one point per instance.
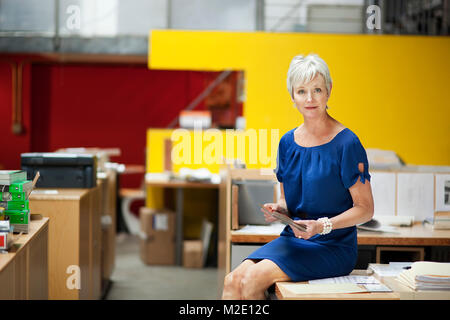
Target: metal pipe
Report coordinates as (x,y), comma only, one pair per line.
(56,38)
(14,91)
(169,14)
(260,15)
(16,83)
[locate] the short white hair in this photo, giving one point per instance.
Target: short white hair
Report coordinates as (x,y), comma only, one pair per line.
(303,69)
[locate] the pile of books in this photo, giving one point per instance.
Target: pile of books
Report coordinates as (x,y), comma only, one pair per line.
(426,275)
(440,221)
(14,192)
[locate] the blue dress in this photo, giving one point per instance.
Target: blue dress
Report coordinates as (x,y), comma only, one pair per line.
(316,182)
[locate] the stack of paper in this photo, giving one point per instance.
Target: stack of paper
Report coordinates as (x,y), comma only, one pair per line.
(322,288)
(393,269)
(439,222)
(368,282)
(376,226)
(348,279)
(400,221)
(425,275)
(274,228)
(8,177)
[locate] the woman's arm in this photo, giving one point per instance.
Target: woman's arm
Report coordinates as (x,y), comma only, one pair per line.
(282,201)
(280,206)
(361,212)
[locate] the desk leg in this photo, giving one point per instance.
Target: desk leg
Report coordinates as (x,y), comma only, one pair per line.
(179,228)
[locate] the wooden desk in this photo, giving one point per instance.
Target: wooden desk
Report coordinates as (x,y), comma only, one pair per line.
(413,239)
(283,294)
(74,239)
(399,292)
(180,186)
(24,269)
(417,235)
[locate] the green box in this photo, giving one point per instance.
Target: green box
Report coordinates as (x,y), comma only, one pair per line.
(15,205)
(13,196)
(18,216)
(18,196)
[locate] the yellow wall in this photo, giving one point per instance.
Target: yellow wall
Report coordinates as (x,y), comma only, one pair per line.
(392,91)
(195,150)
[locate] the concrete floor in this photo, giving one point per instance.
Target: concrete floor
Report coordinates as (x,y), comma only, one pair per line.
(134,280)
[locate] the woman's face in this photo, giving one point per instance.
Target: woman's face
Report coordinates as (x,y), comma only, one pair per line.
(311,98)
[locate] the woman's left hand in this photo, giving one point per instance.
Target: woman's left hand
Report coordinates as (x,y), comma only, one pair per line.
(313,227)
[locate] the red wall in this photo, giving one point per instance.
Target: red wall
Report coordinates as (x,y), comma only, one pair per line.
(88,105)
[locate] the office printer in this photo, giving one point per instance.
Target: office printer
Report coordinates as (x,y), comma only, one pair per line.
(61,170)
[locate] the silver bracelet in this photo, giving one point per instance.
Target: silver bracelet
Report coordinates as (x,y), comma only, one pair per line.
(327,225)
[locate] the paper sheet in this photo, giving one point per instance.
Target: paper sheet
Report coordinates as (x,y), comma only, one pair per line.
(347,279)
(297,288)
(415,195)
(44,192)
(274,228)
(377,288)
(383,190)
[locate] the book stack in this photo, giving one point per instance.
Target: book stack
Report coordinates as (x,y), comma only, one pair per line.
(14,192)
(440,221)
(426,275)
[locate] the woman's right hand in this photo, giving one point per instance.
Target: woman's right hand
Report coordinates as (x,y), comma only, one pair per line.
(273,207)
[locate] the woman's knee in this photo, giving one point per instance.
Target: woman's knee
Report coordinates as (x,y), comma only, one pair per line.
(228,281)
(251,284)
(232,280)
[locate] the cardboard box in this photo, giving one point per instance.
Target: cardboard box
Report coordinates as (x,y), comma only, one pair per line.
(192,254)
(157,236)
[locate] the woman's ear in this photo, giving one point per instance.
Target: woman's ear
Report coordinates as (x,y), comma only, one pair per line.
(329,93)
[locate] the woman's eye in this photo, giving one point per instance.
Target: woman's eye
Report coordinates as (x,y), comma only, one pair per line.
(301,91)
(318,90)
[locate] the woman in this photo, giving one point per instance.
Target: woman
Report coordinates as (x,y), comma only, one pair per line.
(325,184)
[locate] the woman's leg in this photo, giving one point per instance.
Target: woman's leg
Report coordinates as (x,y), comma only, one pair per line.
(259,277)
(232,282)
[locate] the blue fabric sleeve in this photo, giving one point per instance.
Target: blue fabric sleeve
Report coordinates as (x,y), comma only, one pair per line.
(279,169)
(354,153)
